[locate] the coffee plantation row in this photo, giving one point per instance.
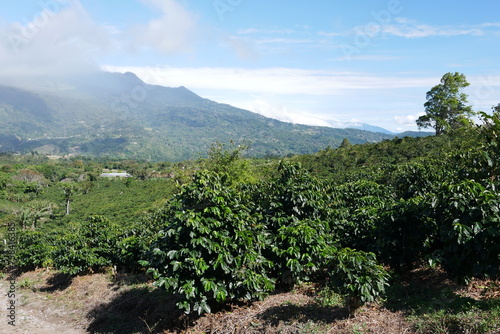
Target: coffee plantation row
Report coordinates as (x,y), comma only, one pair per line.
(229,228)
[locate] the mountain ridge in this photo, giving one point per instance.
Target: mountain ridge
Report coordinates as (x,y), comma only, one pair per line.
(118,115)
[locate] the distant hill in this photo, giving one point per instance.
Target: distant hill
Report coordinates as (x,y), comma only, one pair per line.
(368,127)
(415,134)
(118,115)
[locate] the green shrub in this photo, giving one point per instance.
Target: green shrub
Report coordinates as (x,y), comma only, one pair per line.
(294,212)
(35,249)
(88,246)
(210,246)
(468,220)
(405,233)
(73,256)
(356,210)
(357,276)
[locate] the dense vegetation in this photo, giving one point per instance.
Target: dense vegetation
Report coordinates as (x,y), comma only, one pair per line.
(229,228)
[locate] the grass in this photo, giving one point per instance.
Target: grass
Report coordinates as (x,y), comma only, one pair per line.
(326,297)
(26,283)
(471,322)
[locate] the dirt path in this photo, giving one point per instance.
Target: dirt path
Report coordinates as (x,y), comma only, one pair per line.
(32,313)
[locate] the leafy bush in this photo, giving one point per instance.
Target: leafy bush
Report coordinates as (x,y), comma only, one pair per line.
(35,249)
(300,248)
(358,276)
(356,210)
(132,246)
(406,233)
(72,255)
(468,219)
(420,177)
(294,212)
(210,246)
(88,246)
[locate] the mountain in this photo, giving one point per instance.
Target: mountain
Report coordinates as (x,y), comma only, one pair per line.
(118,115)
(368,127)
(415,134)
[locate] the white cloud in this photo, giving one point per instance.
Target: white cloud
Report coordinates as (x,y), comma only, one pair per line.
(491,24)
(278,40)
(408,120)
(407,28)
(170,33)
(283,113)
(367,57)
(274,80)
(331,34)
(60,40)
(249,31)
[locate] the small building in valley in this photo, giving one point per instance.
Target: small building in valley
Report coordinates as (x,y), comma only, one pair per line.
(113,175)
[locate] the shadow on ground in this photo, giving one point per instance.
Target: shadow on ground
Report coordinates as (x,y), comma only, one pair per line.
(138,310)
(57,282)
(302,313)
(430,291)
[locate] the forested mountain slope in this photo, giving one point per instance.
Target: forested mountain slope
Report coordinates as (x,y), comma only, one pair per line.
(118,115)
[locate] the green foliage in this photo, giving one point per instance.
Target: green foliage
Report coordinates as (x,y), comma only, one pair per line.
(420,177)
(215,248)
(345,143)
(487,161)
(210,246)
(328,297)
(29,215)
(53,172)
(468,222)
(226,159)
(356,209)
(88,246)
(35,249)
(358,276)
(241,228)
(446,107)
(405,233)
(293,209)
(367,161)
(69,189)
(293,193)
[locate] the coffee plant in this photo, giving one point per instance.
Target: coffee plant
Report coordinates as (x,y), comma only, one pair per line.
(468,221)
(358,276)
(210,248)
(294,212)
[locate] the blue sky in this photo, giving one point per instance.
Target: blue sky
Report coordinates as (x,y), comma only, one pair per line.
(331,63)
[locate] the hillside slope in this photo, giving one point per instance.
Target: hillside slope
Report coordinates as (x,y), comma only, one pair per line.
(118,115)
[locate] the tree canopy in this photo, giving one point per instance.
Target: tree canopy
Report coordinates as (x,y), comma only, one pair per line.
(446,107)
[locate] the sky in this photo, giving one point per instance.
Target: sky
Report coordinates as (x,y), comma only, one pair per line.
(325,62)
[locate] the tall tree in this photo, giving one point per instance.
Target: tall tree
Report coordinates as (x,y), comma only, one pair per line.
(446,107)
(69,190)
